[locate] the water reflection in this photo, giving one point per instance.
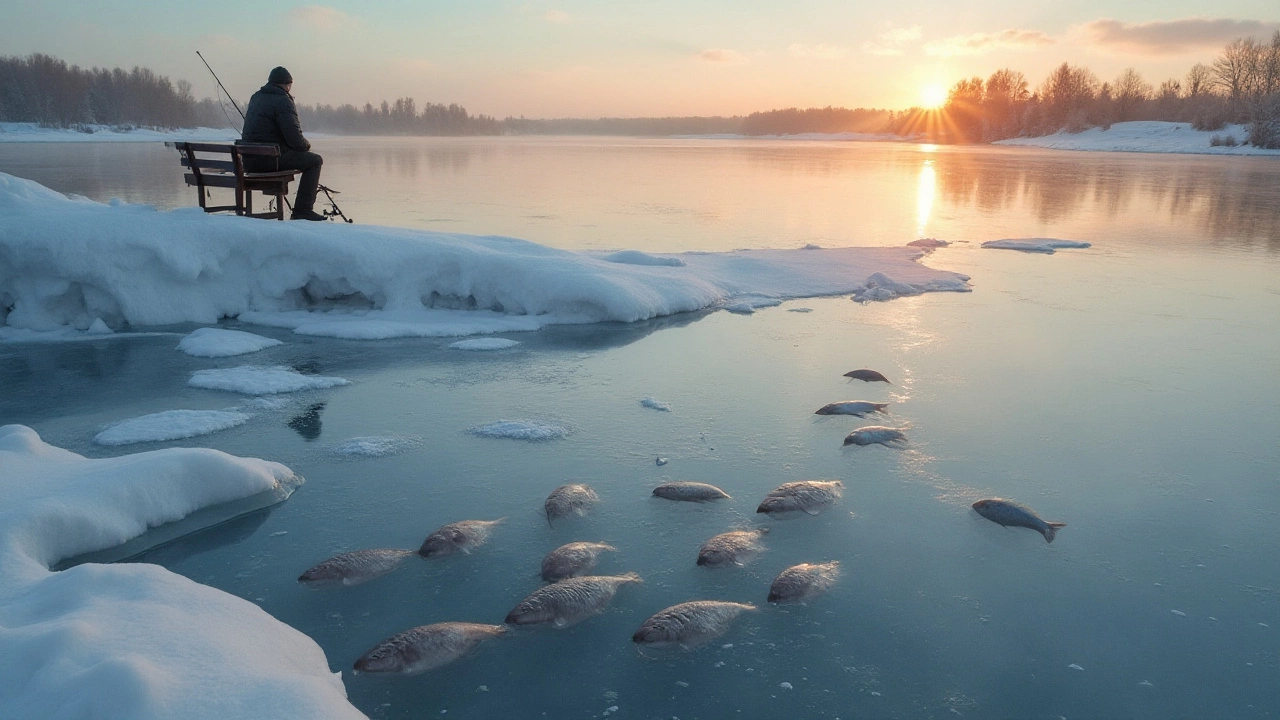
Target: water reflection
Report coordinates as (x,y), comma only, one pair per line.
(725,194)
(925,190)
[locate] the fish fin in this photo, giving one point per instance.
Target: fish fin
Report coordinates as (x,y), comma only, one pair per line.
(1056,525)
(810,511)
(559,622)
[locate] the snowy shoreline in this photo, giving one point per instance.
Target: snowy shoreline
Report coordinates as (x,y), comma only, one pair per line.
(1145,136)
(71,262)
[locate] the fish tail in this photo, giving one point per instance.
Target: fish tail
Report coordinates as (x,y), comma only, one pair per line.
(1051,530)
(631,577)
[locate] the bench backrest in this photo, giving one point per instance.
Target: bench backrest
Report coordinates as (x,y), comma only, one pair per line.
(236,151)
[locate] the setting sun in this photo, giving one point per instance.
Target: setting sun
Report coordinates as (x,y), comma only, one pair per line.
(933,96)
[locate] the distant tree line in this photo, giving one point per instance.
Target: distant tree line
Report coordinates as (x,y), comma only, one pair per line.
(43,89)
(1241,85)
(399,118)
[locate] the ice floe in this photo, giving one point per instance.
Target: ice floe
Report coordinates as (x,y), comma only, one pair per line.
(1151,136)
(1040,245)
(654,404)
(169,425)
(484,344)
(520,430)
(216,342)
(256,380)
(70,262)
(135,640)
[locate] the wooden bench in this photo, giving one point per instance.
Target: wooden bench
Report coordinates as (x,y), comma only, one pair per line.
(206,172)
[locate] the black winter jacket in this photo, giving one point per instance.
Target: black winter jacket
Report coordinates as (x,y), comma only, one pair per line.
(273,118)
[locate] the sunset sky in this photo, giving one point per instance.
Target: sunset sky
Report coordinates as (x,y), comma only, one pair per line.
(655,58)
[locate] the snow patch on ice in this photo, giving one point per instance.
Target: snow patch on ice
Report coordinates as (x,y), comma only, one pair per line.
(880,287)
(375,446)
(748,303)
(520,430)
(216,342)
(255,380)
(1040,245)
(484,344)
(928,243)
(135,640)
(169,425)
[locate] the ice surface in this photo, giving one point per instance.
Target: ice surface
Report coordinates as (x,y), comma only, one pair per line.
(255,380)
(169,425)
(66,262)
(1040,245)
(215,342)
(375,446)
(1152,136)
(520,430)
(881,287)
(136,640)
(484,344)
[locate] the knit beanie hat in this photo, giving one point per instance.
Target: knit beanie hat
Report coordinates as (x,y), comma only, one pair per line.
(280,76)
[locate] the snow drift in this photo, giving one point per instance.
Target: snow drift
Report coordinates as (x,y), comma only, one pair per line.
(72,262)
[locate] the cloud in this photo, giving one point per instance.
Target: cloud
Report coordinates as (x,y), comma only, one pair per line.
(820,51)
(890,41)
(980,43)
(556,16)
(717,55)
(1168,37)
(319,17)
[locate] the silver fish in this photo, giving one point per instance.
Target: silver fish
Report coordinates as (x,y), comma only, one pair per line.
(872,434)
(807,496)
(571,499)
(689,624)
(426,647)
(569,601)
(465,536)
(1009,513)
(867,376)
(732,548)
(355,567)
(804,581)
(572,559)
(857,408)
(689,491)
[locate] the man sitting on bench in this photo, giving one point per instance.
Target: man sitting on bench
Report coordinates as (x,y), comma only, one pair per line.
(272,118)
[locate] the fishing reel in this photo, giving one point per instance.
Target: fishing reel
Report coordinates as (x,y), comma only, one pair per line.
(334,210)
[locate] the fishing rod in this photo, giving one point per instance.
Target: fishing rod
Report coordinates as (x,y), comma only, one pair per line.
(224,87)
(328,192)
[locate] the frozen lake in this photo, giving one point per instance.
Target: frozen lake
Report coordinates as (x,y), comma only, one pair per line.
(1129,389)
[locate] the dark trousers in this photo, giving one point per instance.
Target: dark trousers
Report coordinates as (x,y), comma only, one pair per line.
(308,162)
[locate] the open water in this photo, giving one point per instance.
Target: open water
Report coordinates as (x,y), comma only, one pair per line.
(1131,390)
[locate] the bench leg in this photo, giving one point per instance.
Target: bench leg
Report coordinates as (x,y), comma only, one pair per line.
(279,207)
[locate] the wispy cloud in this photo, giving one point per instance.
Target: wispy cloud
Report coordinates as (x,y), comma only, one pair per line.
(820,51)
(319,17)
(556,16)
(980,43)
(720,55)
(1168,37)
(890,41)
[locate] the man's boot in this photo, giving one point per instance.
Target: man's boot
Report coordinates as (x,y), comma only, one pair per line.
(307,215)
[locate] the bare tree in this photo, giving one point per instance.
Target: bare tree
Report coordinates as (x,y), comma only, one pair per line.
(1130,91)
(1199,80)
(1235,69)
(1066,94)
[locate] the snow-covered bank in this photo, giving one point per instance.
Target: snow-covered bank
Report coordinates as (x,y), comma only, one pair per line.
(136,640)
(32,132)
(1150,136)
(72,262)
